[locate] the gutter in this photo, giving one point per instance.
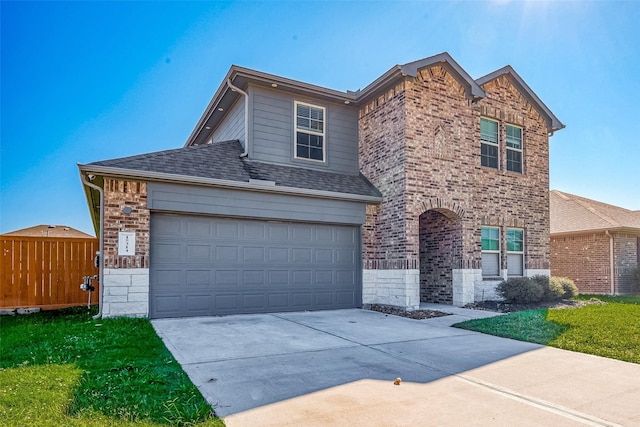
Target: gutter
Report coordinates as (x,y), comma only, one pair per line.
(611,261)
(246,116)
(259,186)
(101,256)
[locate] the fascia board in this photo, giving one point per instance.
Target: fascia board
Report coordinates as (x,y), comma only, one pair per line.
(223,183)
(210,108)
(294,85)
(601,230)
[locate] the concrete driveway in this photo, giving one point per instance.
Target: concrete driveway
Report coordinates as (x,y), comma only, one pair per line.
(338,368)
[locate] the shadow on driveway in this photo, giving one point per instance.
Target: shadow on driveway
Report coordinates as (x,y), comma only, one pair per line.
(247,361)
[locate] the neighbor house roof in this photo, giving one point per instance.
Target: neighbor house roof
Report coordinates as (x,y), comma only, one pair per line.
(50,231)
(220,164)
(574,214)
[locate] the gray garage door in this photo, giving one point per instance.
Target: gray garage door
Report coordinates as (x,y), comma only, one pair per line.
(212,266)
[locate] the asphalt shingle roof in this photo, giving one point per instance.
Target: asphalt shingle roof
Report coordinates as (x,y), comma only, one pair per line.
(221,160)
(571,213)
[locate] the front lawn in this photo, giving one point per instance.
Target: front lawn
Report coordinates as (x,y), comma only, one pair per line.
(64,368)
(609,330)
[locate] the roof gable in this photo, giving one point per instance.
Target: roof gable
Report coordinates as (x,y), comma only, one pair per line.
(554,123)
(575,214)
(412,68)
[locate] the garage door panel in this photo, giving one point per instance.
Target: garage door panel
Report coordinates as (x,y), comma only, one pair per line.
(253,254)
(228,230)
(324,299)
(220,266)
(198,278)
(253,278)
(198,253)
(199,227)
(254,231)
(226,277)
(168,252)
(302,299)
(345,298)
(278,301)
(302,256)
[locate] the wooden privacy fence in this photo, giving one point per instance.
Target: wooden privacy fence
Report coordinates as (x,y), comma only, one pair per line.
(46,272)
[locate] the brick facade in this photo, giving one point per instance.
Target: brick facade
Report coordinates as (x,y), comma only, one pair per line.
(126,278)
(420,146)
(117,195)
(586,259)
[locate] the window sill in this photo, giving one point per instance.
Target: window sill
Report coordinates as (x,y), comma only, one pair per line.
(492,278)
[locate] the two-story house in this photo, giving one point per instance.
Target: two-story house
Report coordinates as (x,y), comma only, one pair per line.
(426,185)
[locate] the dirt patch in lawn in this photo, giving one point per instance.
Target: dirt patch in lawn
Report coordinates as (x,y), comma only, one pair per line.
(507,307)
(413,314)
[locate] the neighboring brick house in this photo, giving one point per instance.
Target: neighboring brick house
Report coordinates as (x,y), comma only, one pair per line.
(427,185)
(595,244)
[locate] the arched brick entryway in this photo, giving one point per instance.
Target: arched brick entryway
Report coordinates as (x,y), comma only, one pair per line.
(440,253)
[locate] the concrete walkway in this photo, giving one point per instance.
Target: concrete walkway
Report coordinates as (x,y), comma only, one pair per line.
(337,368)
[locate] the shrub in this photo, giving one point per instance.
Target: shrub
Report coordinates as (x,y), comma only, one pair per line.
(521,290)
(636,278)
(553,290)
(569,289)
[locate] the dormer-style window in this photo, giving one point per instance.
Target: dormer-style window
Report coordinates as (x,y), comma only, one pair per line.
(514,148)
(489,143)
(310,132)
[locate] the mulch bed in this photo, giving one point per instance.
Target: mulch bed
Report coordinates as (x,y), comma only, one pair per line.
(413,314)
(506,307)
(497,306)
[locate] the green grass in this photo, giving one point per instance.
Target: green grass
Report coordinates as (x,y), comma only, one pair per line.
(611,330)
(623,299)
(115,371)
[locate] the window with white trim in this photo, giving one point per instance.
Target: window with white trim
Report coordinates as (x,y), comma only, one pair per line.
(515,252)
(310,132)
(490,251)
(489,147)
(514,148)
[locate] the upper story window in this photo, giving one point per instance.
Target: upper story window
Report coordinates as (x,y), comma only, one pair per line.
(490,251)
(514,148)
(310,132)
(489,143)
(515,252)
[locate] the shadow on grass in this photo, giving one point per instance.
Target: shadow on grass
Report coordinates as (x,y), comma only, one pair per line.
(528,325)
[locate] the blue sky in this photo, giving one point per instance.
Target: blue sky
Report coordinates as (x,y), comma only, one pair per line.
(88,81)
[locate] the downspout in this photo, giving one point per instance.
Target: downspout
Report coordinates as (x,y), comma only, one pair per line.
(101,257)
(611,262)
(246,116)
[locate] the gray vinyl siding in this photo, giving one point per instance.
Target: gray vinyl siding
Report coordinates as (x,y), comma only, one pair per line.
(272,128)
(232,126)
(251,204)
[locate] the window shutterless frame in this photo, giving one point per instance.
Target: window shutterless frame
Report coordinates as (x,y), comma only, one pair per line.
(310,132)
(489,143)
(514,148)
(490,237)
(515,252)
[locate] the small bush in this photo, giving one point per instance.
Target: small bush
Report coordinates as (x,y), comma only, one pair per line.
(521,290)
(569,289)
(551,291)
(636,278)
